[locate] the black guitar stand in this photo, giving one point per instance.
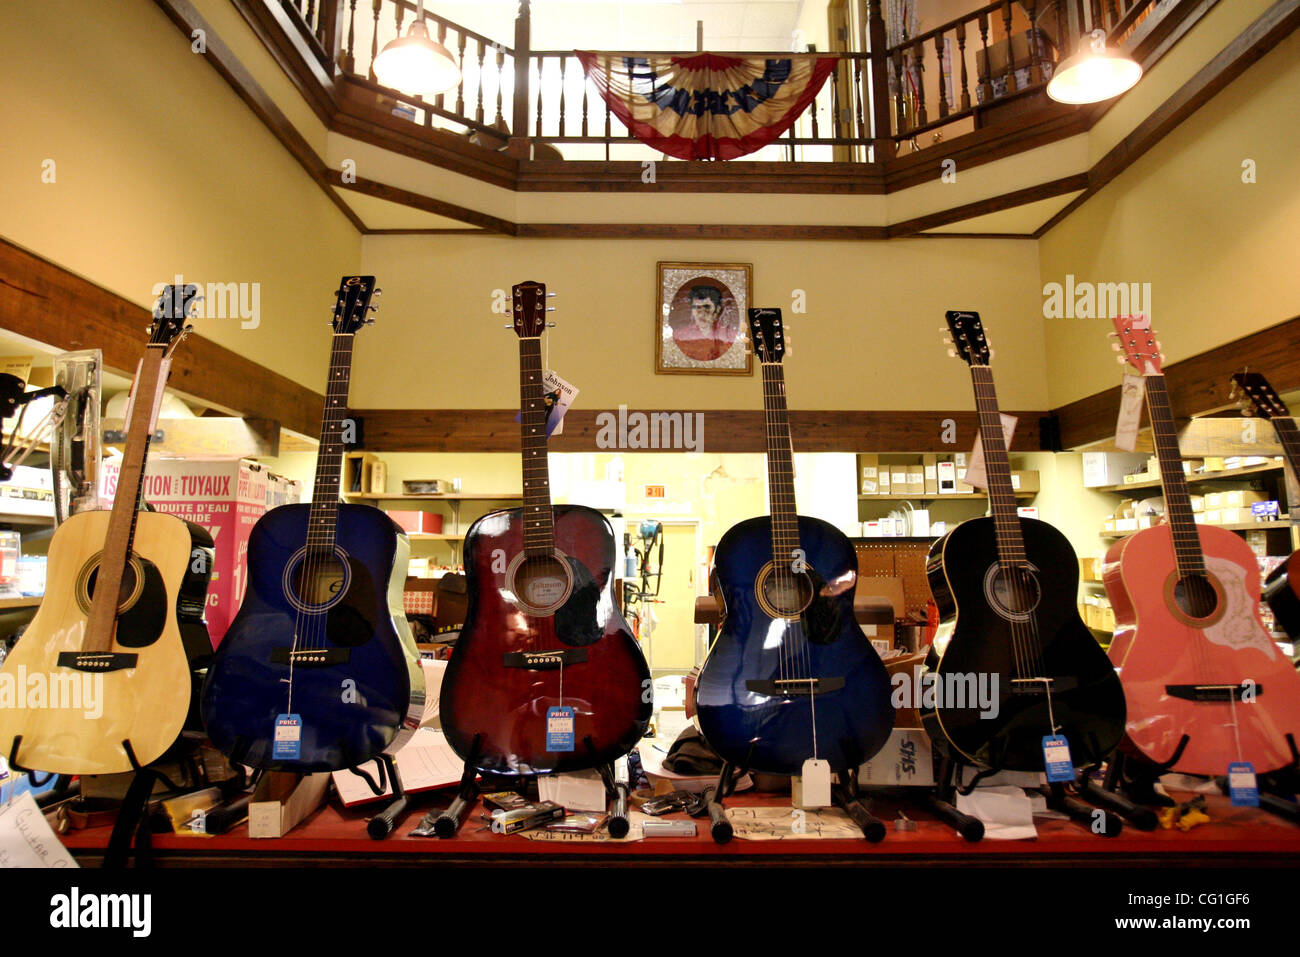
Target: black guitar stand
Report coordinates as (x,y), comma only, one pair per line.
(383,823)
(939,801)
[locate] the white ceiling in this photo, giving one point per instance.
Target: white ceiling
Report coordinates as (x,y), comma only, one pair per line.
(634,24)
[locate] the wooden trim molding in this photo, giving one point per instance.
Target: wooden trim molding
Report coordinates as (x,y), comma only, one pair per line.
(47,303)
(1197,385)
(724,430)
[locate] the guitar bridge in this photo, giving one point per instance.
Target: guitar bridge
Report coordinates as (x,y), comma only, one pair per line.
(96,661)
(544,660)
(1211,692)
(795,686)
(1043,685)
(310,657)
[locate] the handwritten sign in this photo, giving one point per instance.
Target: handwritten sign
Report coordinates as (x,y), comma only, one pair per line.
(26,839)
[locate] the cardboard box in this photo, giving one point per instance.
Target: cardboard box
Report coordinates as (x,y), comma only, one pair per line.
(227,498)
(418,522)
(282,800)
(869,469)
(915,480)
(929,463)
(1109,468)
(898,479)
(947,477)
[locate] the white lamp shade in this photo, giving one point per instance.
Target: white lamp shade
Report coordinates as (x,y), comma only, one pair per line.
(1090,76)
(416,65)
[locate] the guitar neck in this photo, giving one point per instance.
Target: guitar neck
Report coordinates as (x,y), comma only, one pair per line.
(997,469)
(147,393)
(1178,502)
(1289,435)
(780,464)
(323,516)
(539,531)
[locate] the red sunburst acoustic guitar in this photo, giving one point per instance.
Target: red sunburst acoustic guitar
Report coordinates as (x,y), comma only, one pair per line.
(1206,685)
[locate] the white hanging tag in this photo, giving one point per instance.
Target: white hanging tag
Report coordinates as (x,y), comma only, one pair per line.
(1130,411)
(975,474)
(816,783)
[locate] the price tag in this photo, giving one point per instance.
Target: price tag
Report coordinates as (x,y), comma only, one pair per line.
(1243,789)
(816,780)
(4,770)
(1130,412)
(559,729)
(1056,758)
(287,743)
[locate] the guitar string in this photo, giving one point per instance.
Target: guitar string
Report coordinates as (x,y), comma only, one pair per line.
(781,572)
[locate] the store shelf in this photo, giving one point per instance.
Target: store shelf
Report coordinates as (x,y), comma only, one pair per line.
(935,497)
(8,604)
(434,537)
(1280,524)
(431,497)
(1194,477)
(25,518)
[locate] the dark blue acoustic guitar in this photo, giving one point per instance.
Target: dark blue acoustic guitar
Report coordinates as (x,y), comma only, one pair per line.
(791,676)
(319,669)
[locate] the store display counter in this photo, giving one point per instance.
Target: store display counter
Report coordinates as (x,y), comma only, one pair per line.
(337,837)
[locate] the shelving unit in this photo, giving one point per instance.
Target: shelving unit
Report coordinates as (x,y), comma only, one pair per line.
(1195,478)
(456,536)
(935,497)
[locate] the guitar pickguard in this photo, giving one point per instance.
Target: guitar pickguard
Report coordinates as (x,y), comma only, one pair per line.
(1238,628)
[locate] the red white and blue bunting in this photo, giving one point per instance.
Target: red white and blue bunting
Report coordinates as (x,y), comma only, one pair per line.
(705,105)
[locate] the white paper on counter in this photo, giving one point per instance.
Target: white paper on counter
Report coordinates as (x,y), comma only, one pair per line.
(26,839)
(1007,812)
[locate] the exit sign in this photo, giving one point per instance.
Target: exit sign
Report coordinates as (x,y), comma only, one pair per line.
(654,491)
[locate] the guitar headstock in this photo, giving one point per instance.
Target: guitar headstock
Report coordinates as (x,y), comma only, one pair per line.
(1251,390)
(967,338)
(352,303)
(767,335)
(174,308)
(1137,344)
(528,306)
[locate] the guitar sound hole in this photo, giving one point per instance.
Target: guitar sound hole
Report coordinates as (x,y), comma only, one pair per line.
(123,593)
(1013,592)
(542,581)
(1196,596)
(786,592)
(319,579)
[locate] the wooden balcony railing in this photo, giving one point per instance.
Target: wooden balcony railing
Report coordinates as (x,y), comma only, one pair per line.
(968,73)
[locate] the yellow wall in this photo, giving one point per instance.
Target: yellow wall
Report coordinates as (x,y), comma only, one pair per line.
(870,337)
(1219,253)
(161,169)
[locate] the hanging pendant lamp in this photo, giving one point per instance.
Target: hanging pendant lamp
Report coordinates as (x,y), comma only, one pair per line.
(416,64)
(1094,72)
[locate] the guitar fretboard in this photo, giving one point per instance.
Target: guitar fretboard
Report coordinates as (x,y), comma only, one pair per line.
(539,532)
(780,465)
(1178,502)
(997,470)
(323,517)
(1289,436)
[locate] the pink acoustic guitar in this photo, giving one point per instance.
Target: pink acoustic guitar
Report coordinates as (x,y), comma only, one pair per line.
(1206,685)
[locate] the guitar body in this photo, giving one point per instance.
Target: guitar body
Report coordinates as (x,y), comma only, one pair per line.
(495,698)
(143,696)
(1157,647)
(1088,705)
(354,701)
(1280,593)
(773,732)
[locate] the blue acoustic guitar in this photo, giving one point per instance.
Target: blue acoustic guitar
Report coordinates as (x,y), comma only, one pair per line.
(319,670)
(790,676)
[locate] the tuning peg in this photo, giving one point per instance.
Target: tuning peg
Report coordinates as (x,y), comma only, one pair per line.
(369,322)
(1115,346)
(550,295)
(550,325)
(374,308)
(378,291)
(953,353)
(992,353)
(510,325)
(1121,360)
(947,340)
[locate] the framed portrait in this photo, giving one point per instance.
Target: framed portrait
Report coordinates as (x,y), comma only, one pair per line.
(701,323)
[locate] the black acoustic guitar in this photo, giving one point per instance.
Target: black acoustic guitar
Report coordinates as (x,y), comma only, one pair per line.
(1006,588)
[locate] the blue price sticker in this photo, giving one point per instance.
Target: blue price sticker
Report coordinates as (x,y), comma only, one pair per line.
(559,729)
(1056,758)
(288,737)
(1243,789)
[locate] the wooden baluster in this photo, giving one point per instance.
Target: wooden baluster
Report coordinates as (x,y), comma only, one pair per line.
(836,115)
(1114,15)
(813,107)
(374,37)
(1011,59)
(961,55)
(460,87)
(442,38)
(310,18)
(986,74)
(584,108)
(399,12)
(857,96)
(900,103)
(501,73)
(523,71)
(609,129)
(1035,66)
(918,54)
(478,82)
(943,92)
(882,144)
(564,64)
(541,71)
(349,58)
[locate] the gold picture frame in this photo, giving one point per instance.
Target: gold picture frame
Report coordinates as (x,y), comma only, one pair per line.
(701,318)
